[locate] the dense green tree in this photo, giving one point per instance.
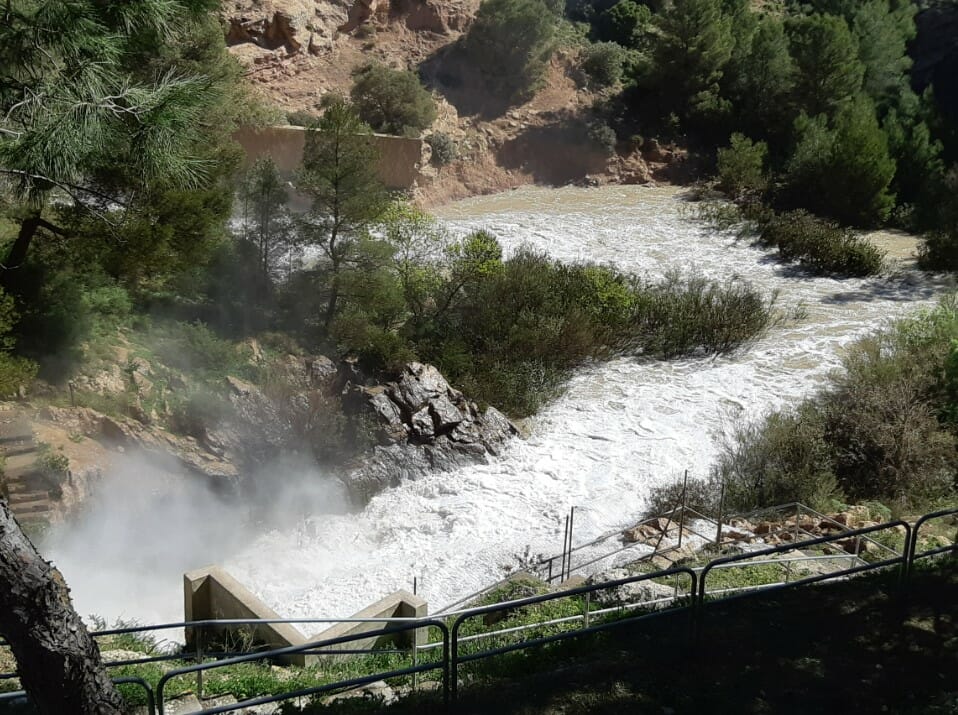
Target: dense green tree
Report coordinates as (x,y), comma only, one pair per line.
(339,175)
(392,101)
(828,71)
(917,154)
(627,23)
(883,34)
(843,171)
(741,166)
(80,121)
(693,44)
(263,196)
(602,63)
(760,81)
(510,42)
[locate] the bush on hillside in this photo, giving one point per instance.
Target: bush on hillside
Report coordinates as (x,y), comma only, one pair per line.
(741,167)
(511,42)
(881,429)
(392,101)
(444,149)
(602,64)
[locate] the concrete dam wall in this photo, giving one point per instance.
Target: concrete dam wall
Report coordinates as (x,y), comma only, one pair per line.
(401,159)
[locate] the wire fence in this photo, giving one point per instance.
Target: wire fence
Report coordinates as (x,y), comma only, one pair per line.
(470,635)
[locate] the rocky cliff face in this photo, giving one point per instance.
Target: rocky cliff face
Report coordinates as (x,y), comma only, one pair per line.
(417,424)
(424,426)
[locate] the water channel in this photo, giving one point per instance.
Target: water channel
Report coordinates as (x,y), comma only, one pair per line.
(619,428)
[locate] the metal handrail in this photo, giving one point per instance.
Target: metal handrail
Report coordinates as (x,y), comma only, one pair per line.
(415,624)
(150,699)
(912,545)
(532,600)
(451,659)
(901,559)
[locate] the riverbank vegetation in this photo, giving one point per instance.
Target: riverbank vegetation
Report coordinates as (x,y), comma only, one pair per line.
(800,106)
(881,429)
(385,284)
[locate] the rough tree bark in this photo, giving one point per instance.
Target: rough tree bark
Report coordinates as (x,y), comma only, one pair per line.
(58,661)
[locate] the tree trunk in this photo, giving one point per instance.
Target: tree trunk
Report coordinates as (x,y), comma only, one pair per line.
(18,251)
(58,661)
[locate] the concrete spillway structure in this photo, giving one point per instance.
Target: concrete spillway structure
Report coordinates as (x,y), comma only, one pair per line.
(403,161)
(212,593)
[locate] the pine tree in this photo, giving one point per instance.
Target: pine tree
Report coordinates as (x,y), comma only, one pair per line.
(693,45)
(339,176)
(828,71)
(79,121)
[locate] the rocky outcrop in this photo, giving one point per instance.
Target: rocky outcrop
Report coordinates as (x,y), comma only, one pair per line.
(423,425)
(438,16)
(629,593)
(284,26)
(359,13)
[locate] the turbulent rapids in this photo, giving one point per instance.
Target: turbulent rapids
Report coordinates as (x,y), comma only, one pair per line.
(619,428)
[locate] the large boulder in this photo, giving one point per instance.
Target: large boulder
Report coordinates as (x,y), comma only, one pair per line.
(423,425)
(629,593)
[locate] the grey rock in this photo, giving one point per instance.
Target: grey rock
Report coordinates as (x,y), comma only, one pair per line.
(430,427)
(422,424)
(445,414)
(630,593)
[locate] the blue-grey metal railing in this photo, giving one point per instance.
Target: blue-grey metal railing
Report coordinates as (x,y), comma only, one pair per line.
(697,596)
(150,698)
(458,659)
(416,624)
(913,554)
(901,560)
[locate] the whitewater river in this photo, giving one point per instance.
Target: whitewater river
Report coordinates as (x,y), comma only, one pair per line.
(619,428)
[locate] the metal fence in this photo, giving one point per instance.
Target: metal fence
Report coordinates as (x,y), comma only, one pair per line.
(456,650)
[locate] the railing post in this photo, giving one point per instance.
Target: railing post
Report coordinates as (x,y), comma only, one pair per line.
(199,659)
(585,613)
(415,659)
(721,509)
(685,487)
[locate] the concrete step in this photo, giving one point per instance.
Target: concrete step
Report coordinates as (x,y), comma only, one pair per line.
(24,497)
(16,449)
(16,486)
(22,462)
(35,507)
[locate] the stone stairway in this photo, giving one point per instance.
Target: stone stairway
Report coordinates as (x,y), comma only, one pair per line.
(26,489)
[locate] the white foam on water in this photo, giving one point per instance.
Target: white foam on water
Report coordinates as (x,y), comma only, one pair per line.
(618,429)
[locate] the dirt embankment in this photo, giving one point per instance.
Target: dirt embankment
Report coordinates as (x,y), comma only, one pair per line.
(295,51)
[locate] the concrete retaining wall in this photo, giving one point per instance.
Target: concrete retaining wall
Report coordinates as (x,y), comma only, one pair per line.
(211,593)
(401,159)
(400,604)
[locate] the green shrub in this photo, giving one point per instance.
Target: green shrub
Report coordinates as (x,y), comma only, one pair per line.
(784,459)
(602,64)
(193,347)
(624,23)
(603,136)
(511,42)
(821,246)
(197,411)
(681,316)
(881,428)
(110,301)
(392,101)
(301,118)
(741,166)
(444,149)
(699,494)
